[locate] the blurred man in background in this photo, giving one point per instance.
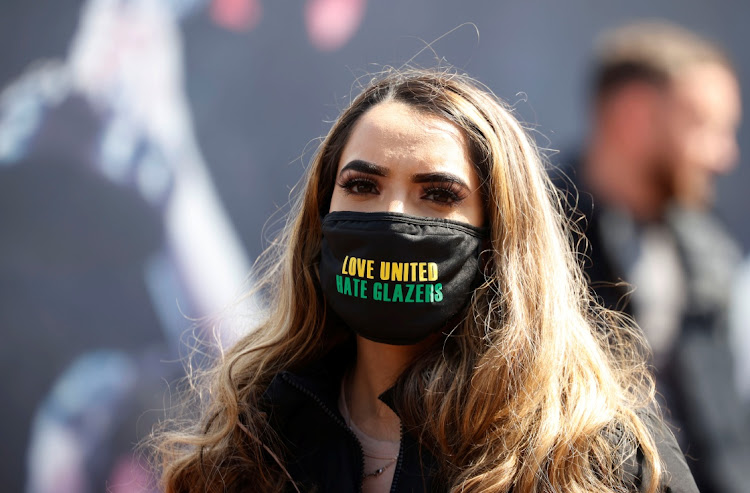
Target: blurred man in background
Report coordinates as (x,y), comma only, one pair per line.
(665,112)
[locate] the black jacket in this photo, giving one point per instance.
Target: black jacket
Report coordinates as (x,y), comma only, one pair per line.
(323,454)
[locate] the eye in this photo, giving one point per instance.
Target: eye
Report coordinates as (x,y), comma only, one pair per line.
(448,193)
(359,185)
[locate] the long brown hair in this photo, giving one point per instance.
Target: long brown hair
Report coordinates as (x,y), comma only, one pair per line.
(526,393)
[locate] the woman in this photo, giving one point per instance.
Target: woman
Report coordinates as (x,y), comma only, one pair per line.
(428,326)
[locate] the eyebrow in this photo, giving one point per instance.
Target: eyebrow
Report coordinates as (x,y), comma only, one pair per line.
(365,167)
(375,169)
(439,177)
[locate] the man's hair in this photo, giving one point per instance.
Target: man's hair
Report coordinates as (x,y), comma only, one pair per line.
(653,52)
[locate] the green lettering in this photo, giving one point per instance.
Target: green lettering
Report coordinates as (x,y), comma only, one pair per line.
(409,291)
(339,284)
(385,292)
(439,292)
(377,291)
(429,294)
(398,295)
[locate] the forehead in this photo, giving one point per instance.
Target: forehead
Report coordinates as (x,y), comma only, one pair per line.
(710,90)
(397,134)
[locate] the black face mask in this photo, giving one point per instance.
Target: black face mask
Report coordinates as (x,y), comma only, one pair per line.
(395,278)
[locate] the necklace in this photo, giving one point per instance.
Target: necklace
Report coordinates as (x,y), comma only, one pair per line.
(377,472)
(391,460)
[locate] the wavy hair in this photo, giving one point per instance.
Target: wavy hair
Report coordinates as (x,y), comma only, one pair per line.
(538,388)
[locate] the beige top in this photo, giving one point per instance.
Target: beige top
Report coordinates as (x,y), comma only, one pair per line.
(380,455)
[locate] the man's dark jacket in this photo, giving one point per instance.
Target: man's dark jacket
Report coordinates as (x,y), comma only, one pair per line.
(695,383)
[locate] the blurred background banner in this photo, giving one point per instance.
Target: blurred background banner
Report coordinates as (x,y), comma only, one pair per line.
(144,144)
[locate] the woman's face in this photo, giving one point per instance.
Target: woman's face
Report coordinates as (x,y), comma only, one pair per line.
(398,159)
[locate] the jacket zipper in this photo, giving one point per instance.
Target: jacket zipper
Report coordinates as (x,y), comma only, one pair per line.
(400,458)
(341,423)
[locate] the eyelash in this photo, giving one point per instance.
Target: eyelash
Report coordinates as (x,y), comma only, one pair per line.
(450,190)
(349,182)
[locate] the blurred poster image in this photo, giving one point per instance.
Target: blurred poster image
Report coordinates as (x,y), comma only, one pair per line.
(112,236)
(114,239)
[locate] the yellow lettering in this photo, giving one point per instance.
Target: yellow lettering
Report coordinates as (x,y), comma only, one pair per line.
(413,271)
(397,271)
(385,270)
(432,271)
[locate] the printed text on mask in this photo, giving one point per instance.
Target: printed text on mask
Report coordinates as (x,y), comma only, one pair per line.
(399,282)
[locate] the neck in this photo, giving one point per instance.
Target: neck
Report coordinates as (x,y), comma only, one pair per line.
(375,371)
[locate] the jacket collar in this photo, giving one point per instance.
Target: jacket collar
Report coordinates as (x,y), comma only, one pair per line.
(323,377)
